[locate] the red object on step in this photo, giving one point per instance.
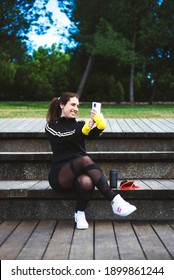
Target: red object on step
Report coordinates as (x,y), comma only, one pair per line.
(127,185)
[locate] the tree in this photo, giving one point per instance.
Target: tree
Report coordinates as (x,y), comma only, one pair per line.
(159,68)
(7,76)
(43,75)
(127,31)
(104,33)
(16,19)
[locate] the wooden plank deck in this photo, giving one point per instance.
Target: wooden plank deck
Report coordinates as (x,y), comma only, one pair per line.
(149,188)
(54,239)
(125,125)
(110,240)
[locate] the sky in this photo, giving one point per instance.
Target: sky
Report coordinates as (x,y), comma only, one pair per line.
(52,35)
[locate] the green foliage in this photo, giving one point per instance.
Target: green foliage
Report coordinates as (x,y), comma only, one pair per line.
(7,72)
(136,34)
(109,43)
(16,20)
(130,44)
(43,75)
(119,92)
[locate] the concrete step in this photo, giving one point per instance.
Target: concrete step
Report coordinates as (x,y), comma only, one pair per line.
(36,200)
(115,141)
(35,166)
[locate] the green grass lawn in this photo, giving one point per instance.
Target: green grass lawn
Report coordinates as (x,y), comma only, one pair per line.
(39,110)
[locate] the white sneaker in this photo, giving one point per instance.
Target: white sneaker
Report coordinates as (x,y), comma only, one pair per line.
(80,220)
(121,207)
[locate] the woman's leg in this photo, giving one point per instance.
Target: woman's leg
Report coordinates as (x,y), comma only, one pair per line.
(82,184)
(85,165)
(84,188)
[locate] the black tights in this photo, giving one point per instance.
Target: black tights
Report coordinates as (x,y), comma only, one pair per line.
(84,174)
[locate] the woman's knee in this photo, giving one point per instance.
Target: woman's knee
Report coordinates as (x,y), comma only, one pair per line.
(85,182)
(87,160)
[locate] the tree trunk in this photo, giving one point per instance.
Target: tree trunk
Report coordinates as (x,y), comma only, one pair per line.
(132,73)
(85,76)
(132,84)
(153,92)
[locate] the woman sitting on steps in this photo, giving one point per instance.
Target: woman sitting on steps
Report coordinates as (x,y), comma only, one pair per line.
(71,167)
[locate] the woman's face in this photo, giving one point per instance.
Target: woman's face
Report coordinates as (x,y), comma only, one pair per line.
(70,110)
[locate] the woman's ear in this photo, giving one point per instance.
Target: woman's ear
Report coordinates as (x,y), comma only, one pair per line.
(62,106)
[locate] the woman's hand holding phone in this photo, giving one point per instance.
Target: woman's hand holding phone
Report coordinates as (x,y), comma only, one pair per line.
(97,116)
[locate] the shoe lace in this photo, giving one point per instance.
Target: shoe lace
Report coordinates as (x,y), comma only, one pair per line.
(122,201)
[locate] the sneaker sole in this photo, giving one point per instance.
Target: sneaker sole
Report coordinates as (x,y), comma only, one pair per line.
(82,227)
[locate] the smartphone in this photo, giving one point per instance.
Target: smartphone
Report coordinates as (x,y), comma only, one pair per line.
(96,106)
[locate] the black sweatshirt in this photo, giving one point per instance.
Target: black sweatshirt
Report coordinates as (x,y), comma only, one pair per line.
(67,140)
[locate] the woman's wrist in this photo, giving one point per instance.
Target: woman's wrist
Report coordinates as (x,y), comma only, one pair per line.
(86,128)
(100,121)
